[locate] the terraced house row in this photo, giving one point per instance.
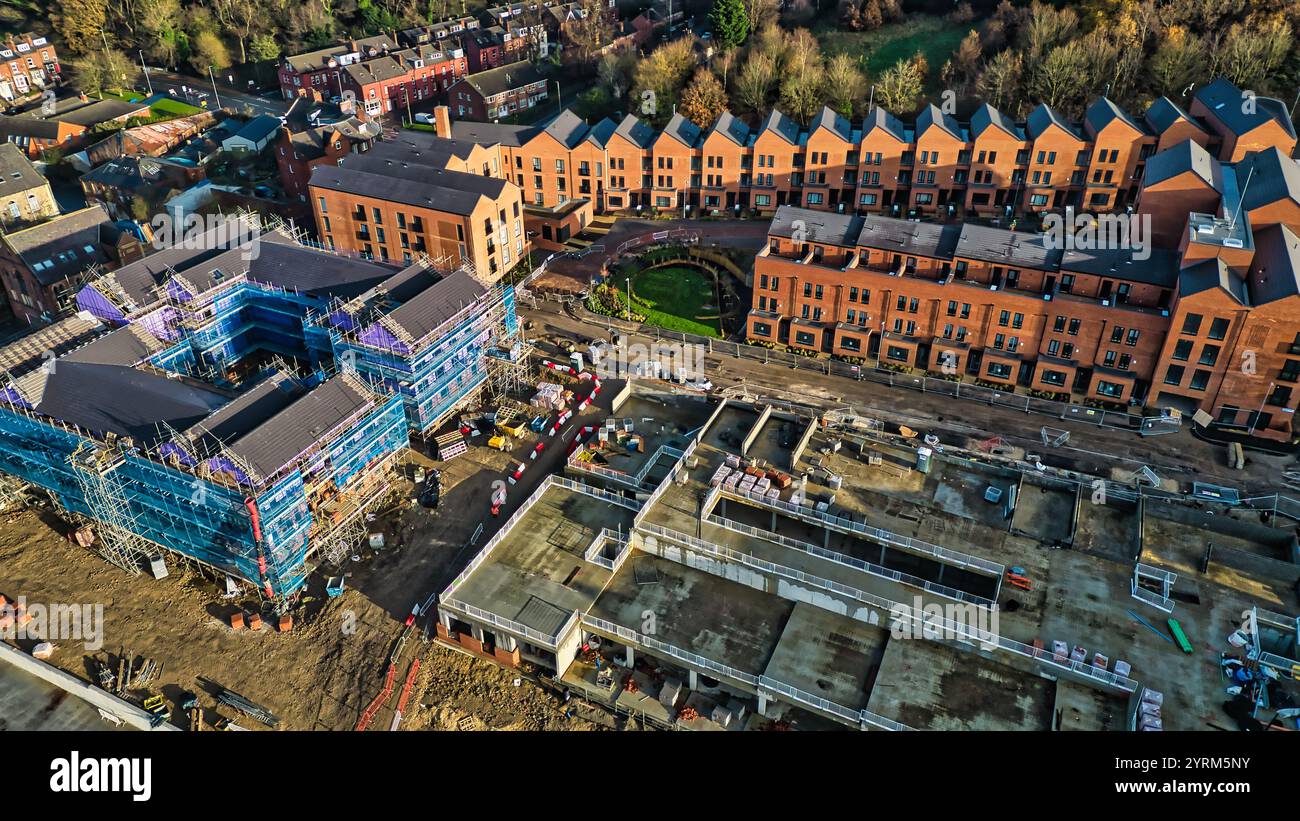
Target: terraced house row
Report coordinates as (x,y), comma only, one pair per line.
(1209,324)
(989,166)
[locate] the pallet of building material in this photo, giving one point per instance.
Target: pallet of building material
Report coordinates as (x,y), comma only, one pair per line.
(450,445)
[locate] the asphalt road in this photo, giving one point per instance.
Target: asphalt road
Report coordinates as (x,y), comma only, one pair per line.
(165,81)
(1091,449)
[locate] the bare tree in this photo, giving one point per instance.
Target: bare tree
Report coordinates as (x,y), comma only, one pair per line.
(755,82)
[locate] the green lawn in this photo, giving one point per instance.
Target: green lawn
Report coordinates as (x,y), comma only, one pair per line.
(175,108)
(936,37)
(677,299)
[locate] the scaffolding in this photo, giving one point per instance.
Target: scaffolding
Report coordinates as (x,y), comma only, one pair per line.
(118,533)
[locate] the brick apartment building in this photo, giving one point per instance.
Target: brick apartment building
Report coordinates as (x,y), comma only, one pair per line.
(297,153)
(25,195)
(28,64)
(989,166)
(422,195)
(498,92)
(1208,324)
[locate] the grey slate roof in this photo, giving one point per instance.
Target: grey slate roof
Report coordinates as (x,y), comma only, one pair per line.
(1185,157)
(500,80)
(315,272)
(815,226)
(933,117)
(430,308)
(878,117)
(784,127)
(246,411)
(601,132)
(636,132)
(450,191)
(1275,270)
(831,120)
(259,128)
(1160,269)
(128,345)
(1164,112)
(119,399)
(566,128)
(908,237)
(17,174)
(67,235)
(1224,100)
(1273,177)
(1103,112)
(99,111)
(733,128)
(683,130)
(309,420)
(1044,117)
(493,133)
(1212,273)
(989,117)
(1014,248)
(417,148)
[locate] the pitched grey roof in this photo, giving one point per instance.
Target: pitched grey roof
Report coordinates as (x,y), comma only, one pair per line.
(17,174)
(246,411)
(1185,157)
(636,132)
(61,242)
(989,117)
(731,127)
(33,349)
(806,225)
(1164,112)
(418,148)
(450,191)
(1006,247)
(784,127)
(831,120)
(1273,177)
(683,130)
(567,128)
(99,111)
(1160,269)
(1212,273)
(500,80)
(1275,270)
(1044,117)
(1224,100)
(128,345)
(878,117)
(493,133)
(314,272)
(908,237)
(1103,112)
(118,399)
(311,419)
(932,116)
(430,308)
(601,132)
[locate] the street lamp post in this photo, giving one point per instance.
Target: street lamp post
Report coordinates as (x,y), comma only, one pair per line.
(147,81)
(215,93)
(627,312)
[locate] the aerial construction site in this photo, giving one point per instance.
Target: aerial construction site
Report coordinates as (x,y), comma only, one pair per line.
(319,492)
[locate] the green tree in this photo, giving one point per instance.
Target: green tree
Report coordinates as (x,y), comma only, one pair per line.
(659,77)
(730,22)
(900,86)
(79,23)
(845,84)
(264,47)
(207,49)
(754,84)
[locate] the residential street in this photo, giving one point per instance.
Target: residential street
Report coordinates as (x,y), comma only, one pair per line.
(1091,449)
(165,81)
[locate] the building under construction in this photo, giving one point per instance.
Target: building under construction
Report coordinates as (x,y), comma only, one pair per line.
(241,403)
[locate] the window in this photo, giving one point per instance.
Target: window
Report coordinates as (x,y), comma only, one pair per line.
(1200,379)
(896,353)
(1004,318)
(762,329)
(1280,397)
(1054,378)
(1183,350)
(1116,334)
(1054,347)
(1209,355)
(1059,324)
(1113,390)
(999,370)
(804,338)
(1192,324)
(1174,376)
(1290,371)
(1218,329)
(1074,327)
(952,307)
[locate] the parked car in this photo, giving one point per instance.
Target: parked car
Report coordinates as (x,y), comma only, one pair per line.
(427,119)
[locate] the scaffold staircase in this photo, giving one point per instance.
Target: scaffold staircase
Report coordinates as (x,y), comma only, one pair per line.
(118,540)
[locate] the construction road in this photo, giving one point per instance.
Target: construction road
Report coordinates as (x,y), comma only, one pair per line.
(1091,449)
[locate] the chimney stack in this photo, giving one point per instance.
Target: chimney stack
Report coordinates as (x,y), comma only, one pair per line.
(442,121)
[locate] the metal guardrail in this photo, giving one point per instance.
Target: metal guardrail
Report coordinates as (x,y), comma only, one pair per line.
(922,621)
(869,568)
(880,535)
(635,638)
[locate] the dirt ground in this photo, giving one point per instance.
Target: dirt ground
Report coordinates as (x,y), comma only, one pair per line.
(323,673)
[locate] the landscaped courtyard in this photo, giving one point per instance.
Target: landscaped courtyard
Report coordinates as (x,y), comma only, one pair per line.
(675,297)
